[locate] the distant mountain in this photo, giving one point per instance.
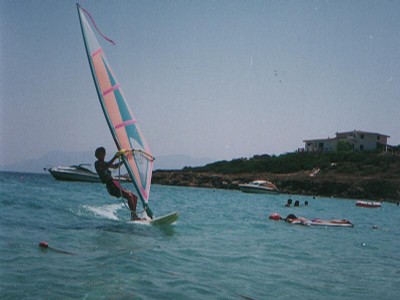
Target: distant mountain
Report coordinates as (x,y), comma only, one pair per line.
(57,158)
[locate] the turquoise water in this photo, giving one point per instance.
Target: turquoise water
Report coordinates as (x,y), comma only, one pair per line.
(223,246)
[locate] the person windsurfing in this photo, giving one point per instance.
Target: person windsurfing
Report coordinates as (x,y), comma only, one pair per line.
(113,186)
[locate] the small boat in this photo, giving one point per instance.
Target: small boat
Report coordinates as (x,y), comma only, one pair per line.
(77,173)
(370,204)
(74,173)
(259,187)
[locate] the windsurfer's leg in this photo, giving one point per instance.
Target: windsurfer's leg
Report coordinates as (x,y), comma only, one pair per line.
(132,202)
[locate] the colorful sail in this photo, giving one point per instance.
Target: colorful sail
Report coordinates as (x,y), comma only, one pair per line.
(122,123)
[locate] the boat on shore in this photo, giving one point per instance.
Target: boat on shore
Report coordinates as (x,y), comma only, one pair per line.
(259,187)
(370,204)
(78,173)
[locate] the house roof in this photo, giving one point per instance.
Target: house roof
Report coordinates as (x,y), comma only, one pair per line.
(362,131)
(345,133)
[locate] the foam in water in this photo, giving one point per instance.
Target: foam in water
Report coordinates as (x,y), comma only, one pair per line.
(108,211)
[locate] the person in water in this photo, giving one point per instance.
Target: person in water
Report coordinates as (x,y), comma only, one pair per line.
(289,202)
(113,186)
(290,218)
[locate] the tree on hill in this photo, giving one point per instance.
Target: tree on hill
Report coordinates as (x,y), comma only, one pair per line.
(343,146)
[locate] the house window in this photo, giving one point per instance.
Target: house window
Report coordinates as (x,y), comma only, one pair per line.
(361,147)
(362,136)
(378,137)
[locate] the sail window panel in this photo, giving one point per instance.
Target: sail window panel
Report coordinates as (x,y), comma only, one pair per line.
(144,165)
(138,165)
(137,171)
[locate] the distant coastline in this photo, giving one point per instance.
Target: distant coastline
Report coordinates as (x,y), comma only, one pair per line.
(369,176)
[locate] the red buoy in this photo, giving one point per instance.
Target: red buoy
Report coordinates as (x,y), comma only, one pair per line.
(275,217)
(44,244)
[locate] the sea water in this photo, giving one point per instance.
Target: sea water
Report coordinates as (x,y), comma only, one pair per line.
(222,247)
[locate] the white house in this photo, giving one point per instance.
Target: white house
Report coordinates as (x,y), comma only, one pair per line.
(359,141)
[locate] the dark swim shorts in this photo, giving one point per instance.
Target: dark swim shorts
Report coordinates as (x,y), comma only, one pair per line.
(113,189)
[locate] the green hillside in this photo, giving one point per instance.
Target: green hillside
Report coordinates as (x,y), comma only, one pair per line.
(361,163)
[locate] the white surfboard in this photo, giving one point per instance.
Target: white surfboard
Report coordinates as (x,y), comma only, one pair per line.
(167,219)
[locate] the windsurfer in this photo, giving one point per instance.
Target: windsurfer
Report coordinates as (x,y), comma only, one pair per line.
(113,186)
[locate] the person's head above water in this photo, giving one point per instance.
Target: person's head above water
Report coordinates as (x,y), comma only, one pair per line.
(100,152)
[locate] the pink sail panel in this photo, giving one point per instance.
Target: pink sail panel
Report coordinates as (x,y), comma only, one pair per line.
(112,103)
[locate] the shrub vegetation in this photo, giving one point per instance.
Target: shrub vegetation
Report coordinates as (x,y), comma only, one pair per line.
(345,161)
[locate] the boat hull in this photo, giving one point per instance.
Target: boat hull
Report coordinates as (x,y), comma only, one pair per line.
(368,204)
(256,190)
(68,176)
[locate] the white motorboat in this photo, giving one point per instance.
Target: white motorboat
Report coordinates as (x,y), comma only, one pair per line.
(259,187)
(370,204)
(78,173)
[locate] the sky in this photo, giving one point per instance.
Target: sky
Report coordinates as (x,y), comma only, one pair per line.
(217,79)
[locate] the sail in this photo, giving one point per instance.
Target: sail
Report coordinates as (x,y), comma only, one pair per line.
(121,121)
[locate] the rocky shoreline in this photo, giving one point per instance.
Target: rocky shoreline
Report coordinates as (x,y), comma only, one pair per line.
(303,183)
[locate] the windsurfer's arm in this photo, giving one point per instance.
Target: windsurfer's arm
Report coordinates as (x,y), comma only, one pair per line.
(117,155)
(117,165)
(111,164)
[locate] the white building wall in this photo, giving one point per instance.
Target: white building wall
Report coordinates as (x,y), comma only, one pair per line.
(320,145)
(368,141)
(330,145)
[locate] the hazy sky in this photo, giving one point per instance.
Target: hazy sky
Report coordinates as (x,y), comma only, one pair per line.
(219,79)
